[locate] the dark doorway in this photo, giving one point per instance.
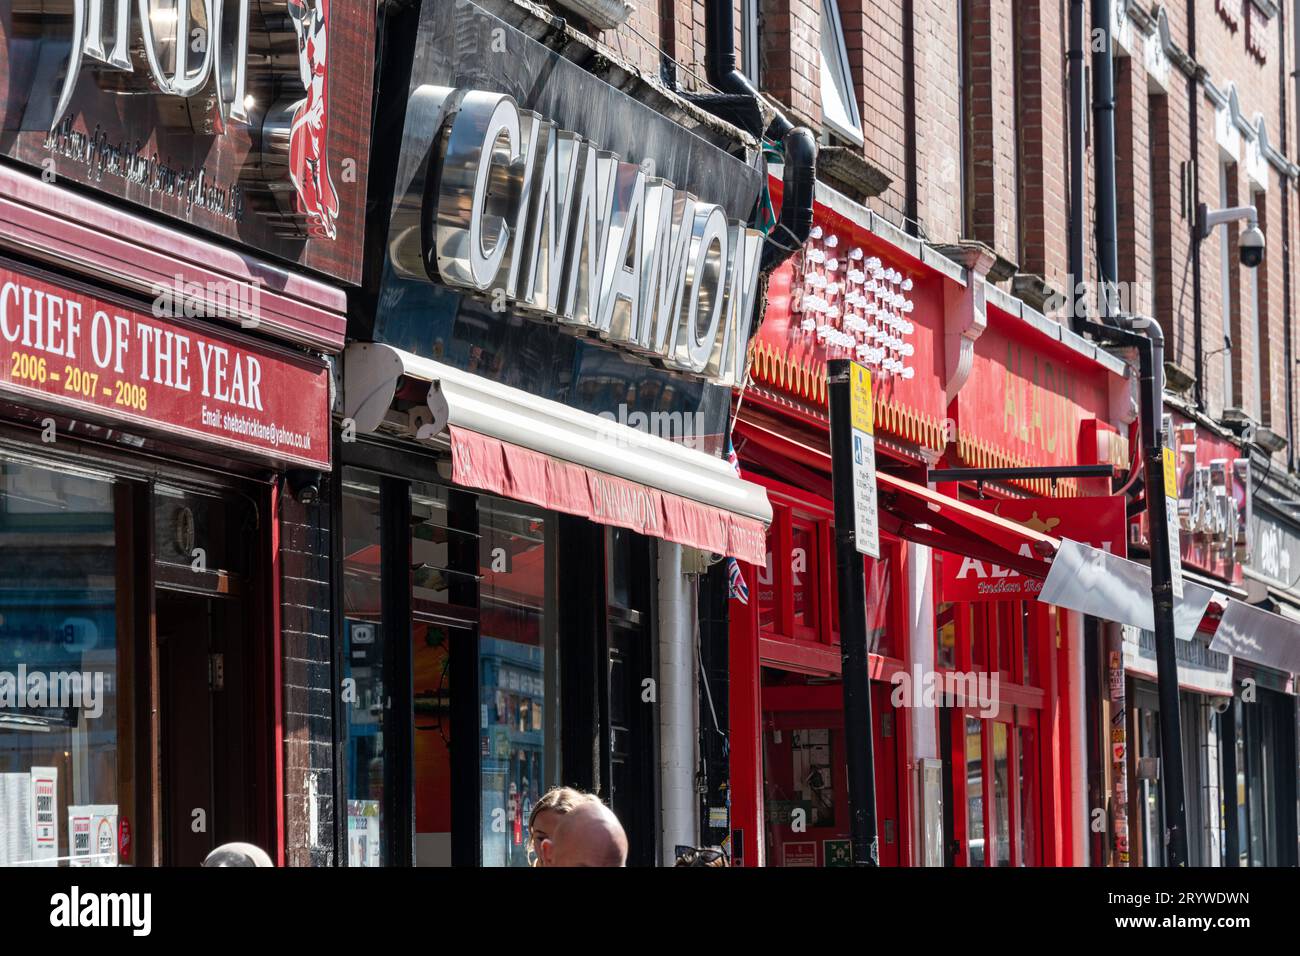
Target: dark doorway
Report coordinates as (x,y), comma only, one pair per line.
(631,713)
(213,723)
(202,726)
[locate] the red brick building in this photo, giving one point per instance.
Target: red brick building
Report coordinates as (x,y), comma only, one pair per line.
(951,121)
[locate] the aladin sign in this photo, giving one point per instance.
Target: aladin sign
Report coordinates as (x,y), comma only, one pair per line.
(540,220)
(1096,521)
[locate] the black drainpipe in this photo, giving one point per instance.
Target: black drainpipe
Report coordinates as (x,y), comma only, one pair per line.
(1078,309)
(1103,145)
(1145,335)
(796,216)
(1288,350)
(1193,178)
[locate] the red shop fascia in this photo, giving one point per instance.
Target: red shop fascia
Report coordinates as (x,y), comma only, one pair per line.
(963,376)
(173,275)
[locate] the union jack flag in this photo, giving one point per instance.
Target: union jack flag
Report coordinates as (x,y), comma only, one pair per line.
(735,578)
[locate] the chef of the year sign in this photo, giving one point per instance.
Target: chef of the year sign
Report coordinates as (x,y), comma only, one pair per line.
(867,521)
(75,351)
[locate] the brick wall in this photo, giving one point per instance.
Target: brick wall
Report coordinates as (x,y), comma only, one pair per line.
(791,61)
(308,701)
(1013,109)
(1044,143)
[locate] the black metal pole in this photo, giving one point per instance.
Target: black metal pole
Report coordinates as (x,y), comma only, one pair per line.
(1162,596)
(1103,108)
(854,677)
(1078,312)
(1228,748)
(1149,338)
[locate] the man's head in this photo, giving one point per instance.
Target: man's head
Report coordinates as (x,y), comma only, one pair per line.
(588,835)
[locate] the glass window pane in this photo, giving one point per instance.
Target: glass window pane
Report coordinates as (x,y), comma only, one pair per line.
(1153,823)
(443,566)
(974,792)
(945,620)
(839,101)
(767,604)
(803,574)
(879,638)
(363,645)
(979,635)
(518,753)
(58,667)
(1001,796)
(1028,799)
(1004,621)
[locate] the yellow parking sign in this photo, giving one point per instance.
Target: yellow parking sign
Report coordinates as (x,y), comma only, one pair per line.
(860,393)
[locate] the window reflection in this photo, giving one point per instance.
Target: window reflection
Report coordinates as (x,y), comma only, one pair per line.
(1001,796)
(363,757)
(58,618)
(974,792)
(1028,760)
(513,669)
(879,639)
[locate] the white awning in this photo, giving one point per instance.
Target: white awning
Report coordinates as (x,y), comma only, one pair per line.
(1095,582)
(1259,636)
(509,442)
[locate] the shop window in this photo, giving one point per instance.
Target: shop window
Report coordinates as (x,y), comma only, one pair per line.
(443,593)
(979,635)
(805,578)
(1004,618)
(59,614)
(1150,801)
(945,627)
(975,842)
(362,759)
(1028,673)
(1027,789)
(1001,780)
(838,94)
(196,532)
(520,757)
(879,578)
(768,605)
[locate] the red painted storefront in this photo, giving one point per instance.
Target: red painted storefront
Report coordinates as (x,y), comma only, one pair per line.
(1007,755)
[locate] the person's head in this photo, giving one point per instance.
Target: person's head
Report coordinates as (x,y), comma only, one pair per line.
(701,856)
(545,817)
(237,854)
(588,835)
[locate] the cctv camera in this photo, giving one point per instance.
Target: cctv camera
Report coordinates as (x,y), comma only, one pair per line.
(304,484)
(1251,247)
(1221,704)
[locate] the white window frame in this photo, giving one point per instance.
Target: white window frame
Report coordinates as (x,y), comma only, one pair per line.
(839,68)
(749,51)
(1258,345)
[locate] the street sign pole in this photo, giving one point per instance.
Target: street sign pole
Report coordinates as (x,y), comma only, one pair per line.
(853,475)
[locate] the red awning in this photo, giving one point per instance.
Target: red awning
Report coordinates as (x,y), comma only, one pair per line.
(512,471)
(914,512)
